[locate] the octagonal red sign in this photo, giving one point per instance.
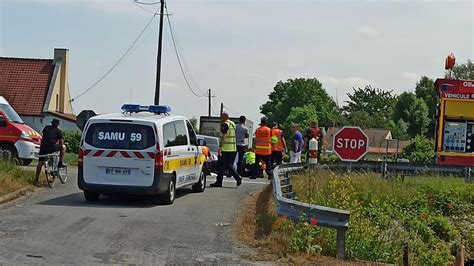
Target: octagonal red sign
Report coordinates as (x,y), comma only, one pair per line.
(350,144)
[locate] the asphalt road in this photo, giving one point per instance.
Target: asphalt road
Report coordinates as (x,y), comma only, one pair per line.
(57,226)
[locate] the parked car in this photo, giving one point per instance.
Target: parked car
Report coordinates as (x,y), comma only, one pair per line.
(213,144)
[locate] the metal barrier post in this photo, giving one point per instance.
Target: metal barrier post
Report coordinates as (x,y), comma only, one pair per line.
(341,243)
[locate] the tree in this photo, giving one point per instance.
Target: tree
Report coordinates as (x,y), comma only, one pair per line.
(464,71)
(194,123)
(426,91)
(399,129)
(413,111)
(369,107)
(302,116)
(302,93)
(421,150)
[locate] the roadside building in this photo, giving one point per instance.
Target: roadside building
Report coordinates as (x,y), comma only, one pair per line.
(38,89)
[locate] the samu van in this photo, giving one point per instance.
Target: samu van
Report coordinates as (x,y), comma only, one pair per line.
(143,150)
(20,140)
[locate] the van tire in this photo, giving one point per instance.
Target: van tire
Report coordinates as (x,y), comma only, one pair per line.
(91,196)
(10,153)
(200,186)
(167,198)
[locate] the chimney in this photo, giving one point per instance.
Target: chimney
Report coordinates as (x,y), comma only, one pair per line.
(61,55)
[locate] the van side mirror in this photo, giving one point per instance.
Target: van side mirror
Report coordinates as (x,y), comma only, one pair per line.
(202,142)
(3,122)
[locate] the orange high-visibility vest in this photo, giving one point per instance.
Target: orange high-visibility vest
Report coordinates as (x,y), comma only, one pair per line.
(263,141)
(205,151)
(276,132)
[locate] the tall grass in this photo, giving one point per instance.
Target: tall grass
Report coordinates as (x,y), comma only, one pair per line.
(13,177)
(429,214)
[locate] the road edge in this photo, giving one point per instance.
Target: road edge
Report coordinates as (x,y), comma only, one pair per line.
(12,196)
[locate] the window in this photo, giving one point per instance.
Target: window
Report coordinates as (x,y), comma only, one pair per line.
(120,136)
(10,114)
(181,133)
(192,134)
(174,134)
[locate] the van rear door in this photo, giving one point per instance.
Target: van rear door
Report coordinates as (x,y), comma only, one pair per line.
(120,153)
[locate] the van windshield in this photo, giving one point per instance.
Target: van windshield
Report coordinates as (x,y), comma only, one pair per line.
(120,136)
(10,113)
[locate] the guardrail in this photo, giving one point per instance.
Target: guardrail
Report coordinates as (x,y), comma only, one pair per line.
(323,216)
(403,168)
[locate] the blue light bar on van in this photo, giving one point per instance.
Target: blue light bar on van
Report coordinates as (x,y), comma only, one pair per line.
(135,108)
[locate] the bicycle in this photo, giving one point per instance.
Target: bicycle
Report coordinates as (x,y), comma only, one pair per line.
(52,171)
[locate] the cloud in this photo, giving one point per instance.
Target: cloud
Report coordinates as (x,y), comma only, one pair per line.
(105,6)
(411,77)
(367,32)
(169,84)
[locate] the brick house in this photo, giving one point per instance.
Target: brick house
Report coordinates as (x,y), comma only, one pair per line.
(38,89)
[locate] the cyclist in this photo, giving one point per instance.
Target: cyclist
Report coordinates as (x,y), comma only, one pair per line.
(51,142)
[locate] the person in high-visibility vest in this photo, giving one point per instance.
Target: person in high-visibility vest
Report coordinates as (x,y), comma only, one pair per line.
(278,145)
(250,167)
(227,151)
(263,145)
(207,154)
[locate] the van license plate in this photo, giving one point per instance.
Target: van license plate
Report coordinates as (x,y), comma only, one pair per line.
(117,171)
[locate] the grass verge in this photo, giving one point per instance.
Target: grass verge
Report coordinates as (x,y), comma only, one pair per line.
(13,178)
(429,215)
(258,227)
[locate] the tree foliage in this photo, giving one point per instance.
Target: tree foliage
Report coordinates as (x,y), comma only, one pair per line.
(421,150)
(298,100)
(413,111)
(464,71)
(369,107)
(426,91)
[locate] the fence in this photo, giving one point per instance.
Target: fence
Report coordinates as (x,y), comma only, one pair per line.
(287,206)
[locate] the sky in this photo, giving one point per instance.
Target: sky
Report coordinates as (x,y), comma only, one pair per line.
(238,49)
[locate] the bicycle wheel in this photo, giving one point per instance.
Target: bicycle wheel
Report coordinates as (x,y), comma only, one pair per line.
(62,174)
(50,174)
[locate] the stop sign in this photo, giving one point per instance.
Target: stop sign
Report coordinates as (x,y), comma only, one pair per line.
(350,144)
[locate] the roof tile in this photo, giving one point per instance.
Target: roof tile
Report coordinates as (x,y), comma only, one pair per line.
(25,82)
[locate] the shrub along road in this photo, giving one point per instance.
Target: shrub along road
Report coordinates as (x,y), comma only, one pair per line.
(57,226)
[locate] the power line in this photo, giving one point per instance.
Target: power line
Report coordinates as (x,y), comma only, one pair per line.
(144,3)
(137,4)
(179,60)
(119,60)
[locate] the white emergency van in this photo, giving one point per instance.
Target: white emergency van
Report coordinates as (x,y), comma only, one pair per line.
(142,150)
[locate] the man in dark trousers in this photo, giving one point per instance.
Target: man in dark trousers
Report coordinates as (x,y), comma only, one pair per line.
(242,135)
(314,132)
(227,151)
(52,141)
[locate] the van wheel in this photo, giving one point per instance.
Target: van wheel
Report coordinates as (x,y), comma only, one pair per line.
(168,197)
(9,153)
(201,184)
(91,196)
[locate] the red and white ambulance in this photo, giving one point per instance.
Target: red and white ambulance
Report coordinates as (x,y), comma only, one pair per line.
(18,141)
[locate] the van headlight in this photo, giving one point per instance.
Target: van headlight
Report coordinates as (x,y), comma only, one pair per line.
(25,135)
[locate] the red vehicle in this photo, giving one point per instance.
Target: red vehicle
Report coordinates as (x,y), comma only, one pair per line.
(18,141)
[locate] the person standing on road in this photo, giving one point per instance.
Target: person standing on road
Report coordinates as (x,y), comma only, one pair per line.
(295,156)
(227,151)
(263,147)
(52,141)
(278,145)
(242,135)
(314,132)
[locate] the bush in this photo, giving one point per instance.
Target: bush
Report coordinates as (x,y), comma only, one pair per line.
(72,140)
(421,150)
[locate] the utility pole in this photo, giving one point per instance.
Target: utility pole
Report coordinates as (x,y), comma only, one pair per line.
(158,58)
(209,98)
(222,108)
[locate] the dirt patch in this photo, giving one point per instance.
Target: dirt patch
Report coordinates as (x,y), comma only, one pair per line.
(251,230)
